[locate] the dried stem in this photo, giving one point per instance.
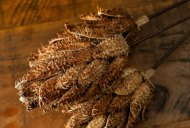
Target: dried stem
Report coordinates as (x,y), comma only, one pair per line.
(164,10)
(160,31)
(167,54)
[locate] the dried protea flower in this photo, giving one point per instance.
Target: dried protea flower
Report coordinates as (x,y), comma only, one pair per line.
(130,80)
(116,12)
(81,116)
(113,72)
(117,119)
(98,122)
(140,100)
(85,56)
(117,21)
(84,70)
(121,110)
(101,105)
(120,103)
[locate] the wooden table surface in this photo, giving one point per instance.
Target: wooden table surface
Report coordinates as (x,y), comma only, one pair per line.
(27,24)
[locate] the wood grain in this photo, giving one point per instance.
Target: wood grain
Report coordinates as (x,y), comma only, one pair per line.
(26,12)
(27,24)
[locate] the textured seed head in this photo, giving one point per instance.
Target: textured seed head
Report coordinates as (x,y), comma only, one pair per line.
(90,17)
(70,77)
(93,72)
(116,12)
(73,94)
(30,95)
(82,116)
(116,120)
(101,106)
(83,70)
(98,122)
(120,103)
(102,26)
(132,79)
(140,100)
(114,71)
(112,47)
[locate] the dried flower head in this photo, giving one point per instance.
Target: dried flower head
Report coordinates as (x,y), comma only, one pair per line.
(84,71)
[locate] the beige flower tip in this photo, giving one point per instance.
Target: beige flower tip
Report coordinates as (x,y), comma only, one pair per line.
(149,73)
(128,71)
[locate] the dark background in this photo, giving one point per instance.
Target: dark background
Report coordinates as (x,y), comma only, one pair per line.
(27,24)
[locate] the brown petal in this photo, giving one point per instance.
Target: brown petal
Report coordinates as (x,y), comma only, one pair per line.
(129,83)
(97,121)
(101,106)
(120,103)
(140,100)
(116,120)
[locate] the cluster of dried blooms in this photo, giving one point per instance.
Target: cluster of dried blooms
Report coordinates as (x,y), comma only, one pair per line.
(84,70)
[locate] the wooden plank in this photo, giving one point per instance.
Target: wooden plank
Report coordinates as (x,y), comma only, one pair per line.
(176,124)
(26,12)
